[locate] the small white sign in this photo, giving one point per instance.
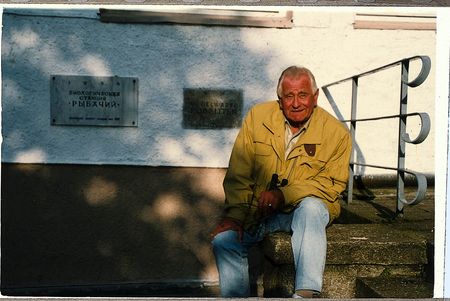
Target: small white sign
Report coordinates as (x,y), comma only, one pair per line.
(93,100)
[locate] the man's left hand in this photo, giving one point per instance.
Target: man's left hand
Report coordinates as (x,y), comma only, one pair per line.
(270,201)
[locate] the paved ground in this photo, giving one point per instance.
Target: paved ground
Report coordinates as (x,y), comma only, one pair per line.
(379,206)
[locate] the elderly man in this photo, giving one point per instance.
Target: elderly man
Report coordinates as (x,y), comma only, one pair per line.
(288,167)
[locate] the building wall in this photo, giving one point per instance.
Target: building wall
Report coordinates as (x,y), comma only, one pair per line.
(66,225)
(167,58)
(100,205)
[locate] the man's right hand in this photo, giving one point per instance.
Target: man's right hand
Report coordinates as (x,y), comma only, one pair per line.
(229,223)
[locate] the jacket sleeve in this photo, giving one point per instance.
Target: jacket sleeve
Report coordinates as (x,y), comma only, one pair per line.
(238,182)
(330,181)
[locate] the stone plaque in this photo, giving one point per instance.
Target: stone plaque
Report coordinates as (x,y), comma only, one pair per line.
(93,100)
(212,109)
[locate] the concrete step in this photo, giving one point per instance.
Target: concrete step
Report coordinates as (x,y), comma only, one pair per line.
(394,288)
(357,244)
(354,251)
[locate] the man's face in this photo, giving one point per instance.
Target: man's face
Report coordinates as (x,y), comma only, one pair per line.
(298,99)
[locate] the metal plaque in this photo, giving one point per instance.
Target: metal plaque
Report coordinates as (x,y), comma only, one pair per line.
(93,100)
(212,109)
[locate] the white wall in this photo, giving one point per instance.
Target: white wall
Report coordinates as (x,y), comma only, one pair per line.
(37,43)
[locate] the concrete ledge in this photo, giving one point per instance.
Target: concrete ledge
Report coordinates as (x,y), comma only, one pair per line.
(357,244)
(393,287)
(354,250)
(374,244)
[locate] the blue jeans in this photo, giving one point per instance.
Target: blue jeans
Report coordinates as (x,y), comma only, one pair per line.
(309,244)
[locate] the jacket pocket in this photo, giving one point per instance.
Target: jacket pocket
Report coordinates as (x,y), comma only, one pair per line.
(264,155)
(311,166)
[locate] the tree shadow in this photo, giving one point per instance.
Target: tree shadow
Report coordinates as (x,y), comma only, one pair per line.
(153,228)
(85,227)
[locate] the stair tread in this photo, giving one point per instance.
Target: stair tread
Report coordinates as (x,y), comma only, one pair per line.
(358,244)
(394,287)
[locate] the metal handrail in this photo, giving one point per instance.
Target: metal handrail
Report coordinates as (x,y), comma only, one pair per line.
(403,137)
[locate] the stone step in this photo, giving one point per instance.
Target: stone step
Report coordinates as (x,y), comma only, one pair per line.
(394,288)
(354,250)
(358,244)
(375,244)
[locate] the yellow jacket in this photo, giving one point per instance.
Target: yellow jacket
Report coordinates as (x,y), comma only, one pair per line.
(259,152)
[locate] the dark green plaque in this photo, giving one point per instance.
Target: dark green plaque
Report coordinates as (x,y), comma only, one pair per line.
(212,109)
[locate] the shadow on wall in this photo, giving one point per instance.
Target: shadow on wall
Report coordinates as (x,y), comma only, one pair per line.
(98,224)
(165,58)
(65,225)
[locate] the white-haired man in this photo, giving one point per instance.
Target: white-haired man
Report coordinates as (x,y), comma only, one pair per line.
(288,167)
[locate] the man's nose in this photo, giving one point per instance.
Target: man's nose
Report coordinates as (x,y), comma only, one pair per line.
(297,101)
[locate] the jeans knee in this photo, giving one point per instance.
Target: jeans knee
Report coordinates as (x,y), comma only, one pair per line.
(312,209)
(224,240)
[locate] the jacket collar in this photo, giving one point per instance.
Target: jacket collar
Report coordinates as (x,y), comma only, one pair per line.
(314,132)
(274,122)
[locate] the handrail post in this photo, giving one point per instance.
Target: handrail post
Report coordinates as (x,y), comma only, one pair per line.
(401,134)
(353,134)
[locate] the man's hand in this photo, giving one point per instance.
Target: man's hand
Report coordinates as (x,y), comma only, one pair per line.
(270,201)
(229,223)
